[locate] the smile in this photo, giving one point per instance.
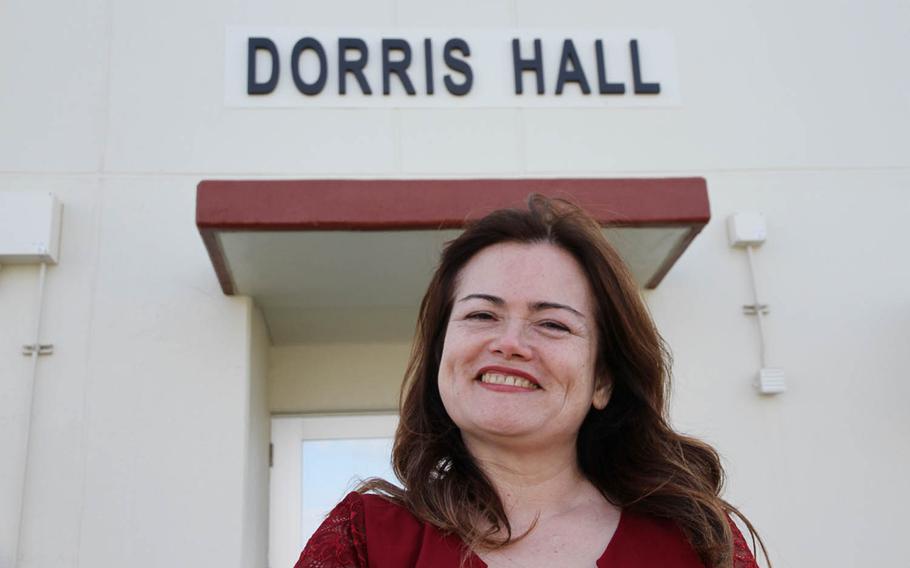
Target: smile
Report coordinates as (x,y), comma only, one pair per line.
(508,380)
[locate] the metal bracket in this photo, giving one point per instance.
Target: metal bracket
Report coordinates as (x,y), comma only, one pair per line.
(752,309)
(42,349)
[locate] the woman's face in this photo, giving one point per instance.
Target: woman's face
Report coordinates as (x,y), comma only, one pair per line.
(520,347)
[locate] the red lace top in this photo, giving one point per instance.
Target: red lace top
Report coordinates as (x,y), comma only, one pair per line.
(369,531)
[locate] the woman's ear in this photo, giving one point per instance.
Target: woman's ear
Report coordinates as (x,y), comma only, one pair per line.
(602,393)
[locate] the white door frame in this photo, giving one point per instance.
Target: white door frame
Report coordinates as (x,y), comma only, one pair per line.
(285,499)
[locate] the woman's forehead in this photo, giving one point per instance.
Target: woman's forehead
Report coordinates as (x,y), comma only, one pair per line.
(526,273)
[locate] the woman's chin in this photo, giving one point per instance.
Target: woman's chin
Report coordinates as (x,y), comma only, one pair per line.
(503,429)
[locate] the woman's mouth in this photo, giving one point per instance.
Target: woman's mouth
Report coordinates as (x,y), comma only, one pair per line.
(493,378)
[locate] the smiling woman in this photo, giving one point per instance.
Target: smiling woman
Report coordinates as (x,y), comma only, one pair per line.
(520,349)
(534,426)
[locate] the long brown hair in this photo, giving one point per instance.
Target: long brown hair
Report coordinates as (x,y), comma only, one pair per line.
(627,450)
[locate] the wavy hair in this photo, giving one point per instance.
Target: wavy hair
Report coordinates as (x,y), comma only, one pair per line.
(627,450)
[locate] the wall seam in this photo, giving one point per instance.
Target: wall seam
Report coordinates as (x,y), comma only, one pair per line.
(86,416)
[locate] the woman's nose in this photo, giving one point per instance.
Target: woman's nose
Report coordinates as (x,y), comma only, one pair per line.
(511,341)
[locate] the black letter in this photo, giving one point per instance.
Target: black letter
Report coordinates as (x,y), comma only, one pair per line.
(606,87)
(303,86)
(253,45)
(399,68)
(535,65)
(641,88)
(428,62)
(353,66)
(576,75)
(458,65)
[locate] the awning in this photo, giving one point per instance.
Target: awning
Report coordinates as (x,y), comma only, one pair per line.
(349,260)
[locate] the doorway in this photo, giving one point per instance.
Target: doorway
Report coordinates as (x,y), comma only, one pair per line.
(316,460)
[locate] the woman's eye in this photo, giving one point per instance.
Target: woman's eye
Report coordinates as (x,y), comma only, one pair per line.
(482,316)
(555,326)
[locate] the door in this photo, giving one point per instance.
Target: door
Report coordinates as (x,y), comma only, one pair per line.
(316,460)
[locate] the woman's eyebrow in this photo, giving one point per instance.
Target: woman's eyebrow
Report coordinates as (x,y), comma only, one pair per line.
(486,297)
(535,306)
(538,306)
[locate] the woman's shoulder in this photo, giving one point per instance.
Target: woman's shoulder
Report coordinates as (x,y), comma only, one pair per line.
(361,506)
(361,530)
(385,507)
(388,519)
(371,512)
(396,537)
(340,541)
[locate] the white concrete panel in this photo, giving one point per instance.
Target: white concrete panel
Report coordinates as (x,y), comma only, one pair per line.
(532,13)
(52,102)
(168,391)
(162,58)
(53,501)
(758,90)
(336,377)
(18,295)
(354,13)
(291,325)
(296,142)
(476,14)
(469,141)
(834,445)
(167,108)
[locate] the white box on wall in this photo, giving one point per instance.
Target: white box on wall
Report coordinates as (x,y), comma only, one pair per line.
(29,227)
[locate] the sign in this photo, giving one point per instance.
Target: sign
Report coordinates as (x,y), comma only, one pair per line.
(301,67)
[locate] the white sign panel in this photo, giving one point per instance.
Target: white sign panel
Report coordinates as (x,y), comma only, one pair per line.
(313,68)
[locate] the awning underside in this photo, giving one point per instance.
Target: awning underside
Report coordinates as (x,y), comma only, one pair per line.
(358,281)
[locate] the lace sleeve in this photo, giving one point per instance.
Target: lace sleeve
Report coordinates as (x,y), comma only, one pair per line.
(340,540)
(742,555)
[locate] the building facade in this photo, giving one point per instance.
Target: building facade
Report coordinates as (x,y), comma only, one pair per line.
(143,439)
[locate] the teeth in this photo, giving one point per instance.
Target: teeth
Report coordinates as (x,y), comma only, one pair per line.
(498,379)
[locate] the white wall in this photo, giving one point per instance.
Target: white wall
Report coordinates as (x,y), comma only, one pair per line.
(149,415)
(336,377)
(62,377)
(255,515)
(776,85)
(825,462)
(138,431)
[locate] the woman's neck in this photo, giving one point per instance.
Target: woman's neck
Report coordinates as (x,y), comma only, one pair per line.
(533,483)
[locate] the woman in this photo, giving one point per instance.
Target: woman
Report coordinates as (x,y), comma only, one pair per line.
(533,424)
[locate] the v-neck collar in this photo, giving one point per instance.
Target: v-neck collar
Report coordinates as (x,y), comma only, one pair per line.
(474,561)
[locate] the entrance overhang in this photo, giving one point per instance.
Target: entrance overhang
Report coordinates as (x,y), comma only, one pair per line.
(331,260)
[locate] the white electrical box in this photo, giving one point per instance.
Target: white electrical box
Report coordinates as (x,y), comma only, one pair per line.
(746,229)
(29,227)
(771,380)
